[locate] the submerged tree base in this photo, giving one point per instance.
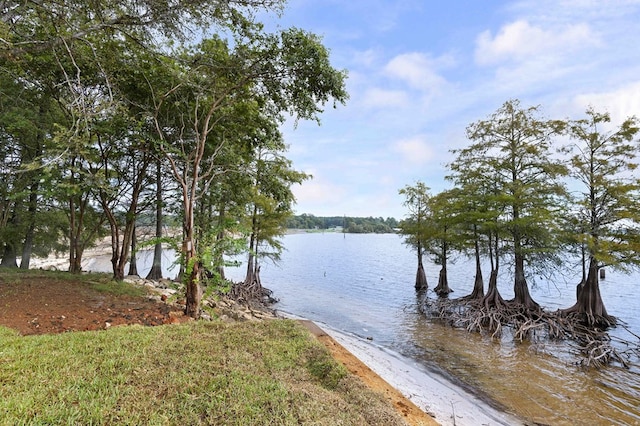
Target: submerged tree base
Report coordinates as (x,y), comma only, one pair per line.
(594,346)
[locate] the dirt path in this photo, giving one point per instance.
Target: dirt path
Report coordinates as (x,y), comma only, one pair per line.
(45,305)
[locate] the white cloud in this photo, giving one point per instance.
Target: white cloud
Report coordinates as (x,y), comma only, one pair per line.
(415,150)
(365,58)
(620,103)
(521,41)
(417,70)
(385,98)
(318,192)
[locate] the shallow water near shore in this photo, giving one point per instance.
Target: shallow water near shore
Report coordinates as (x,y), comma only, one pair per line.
(363,284)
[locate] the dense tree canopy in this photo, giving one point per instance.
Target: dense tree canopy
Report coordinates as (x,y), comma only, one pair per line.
(101,100)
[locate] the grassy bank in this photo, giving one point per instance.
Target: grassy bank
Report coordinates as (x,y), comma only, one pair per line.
(272,372)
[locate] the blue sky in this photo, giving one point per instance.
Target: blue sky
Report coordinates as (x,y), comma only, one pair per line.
(421,71)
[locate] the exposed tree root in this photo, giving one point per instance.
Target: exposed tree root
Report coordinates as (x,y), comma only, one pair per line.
(252,293)
(491,316)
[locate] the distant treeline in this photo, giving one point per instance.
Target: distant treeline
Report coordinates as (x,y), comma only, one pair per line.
(355,225)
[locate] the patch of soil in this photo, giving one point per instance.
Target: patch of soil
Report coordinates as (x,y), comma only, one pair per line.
(46,305)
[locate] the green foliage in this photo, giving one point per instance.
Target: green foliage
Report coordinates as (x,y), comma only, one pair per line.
(509,176)
(92,93)
(415,227)
(604,217)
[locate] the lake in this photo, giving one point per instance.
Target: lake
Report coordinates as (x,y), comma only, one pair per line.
(364,284)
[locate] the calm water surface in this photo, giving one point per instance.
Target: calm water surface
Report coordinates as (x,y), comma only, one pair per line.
(363,284)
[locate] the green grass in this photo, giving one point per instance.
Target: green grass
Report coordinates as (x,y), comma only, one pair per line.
(269,373)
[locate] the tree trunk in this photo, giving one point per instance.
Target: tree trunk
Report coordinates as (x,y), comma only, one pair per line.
(127,238)
(220,261)
(27,248)
(10,254)
(75,248)
(589,302)
(520,287)
(443,289)
(115,240)
(75,257)
(493,299)
(252,263)
(478,285)
(193,290)
(72,234)
(9,257)
(133,264)
(421,277)
(191,262)
(155,273)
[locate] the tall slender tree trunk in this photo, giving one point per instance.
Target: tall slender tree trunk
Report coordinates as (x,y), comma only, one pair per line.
(192,270)
(155,273)
(10,255)
(520,287)
(493,299)
(478,285)
(27,248)
(220,237)
(133,263)
(443,289)
(193,289)
(77,208)
(250,277)
(421,277)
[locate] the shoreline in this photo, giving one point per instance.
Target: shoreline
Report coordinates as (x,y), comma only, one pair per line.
(439,399)
(444,402)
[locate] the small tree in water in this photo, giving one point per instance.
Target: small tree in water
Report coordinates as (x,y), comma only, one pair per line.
(607,206)
(444,212)
(413,227)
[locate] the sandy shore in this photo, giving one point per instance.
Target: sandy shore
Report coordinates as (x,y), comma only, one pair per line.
(442,400)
